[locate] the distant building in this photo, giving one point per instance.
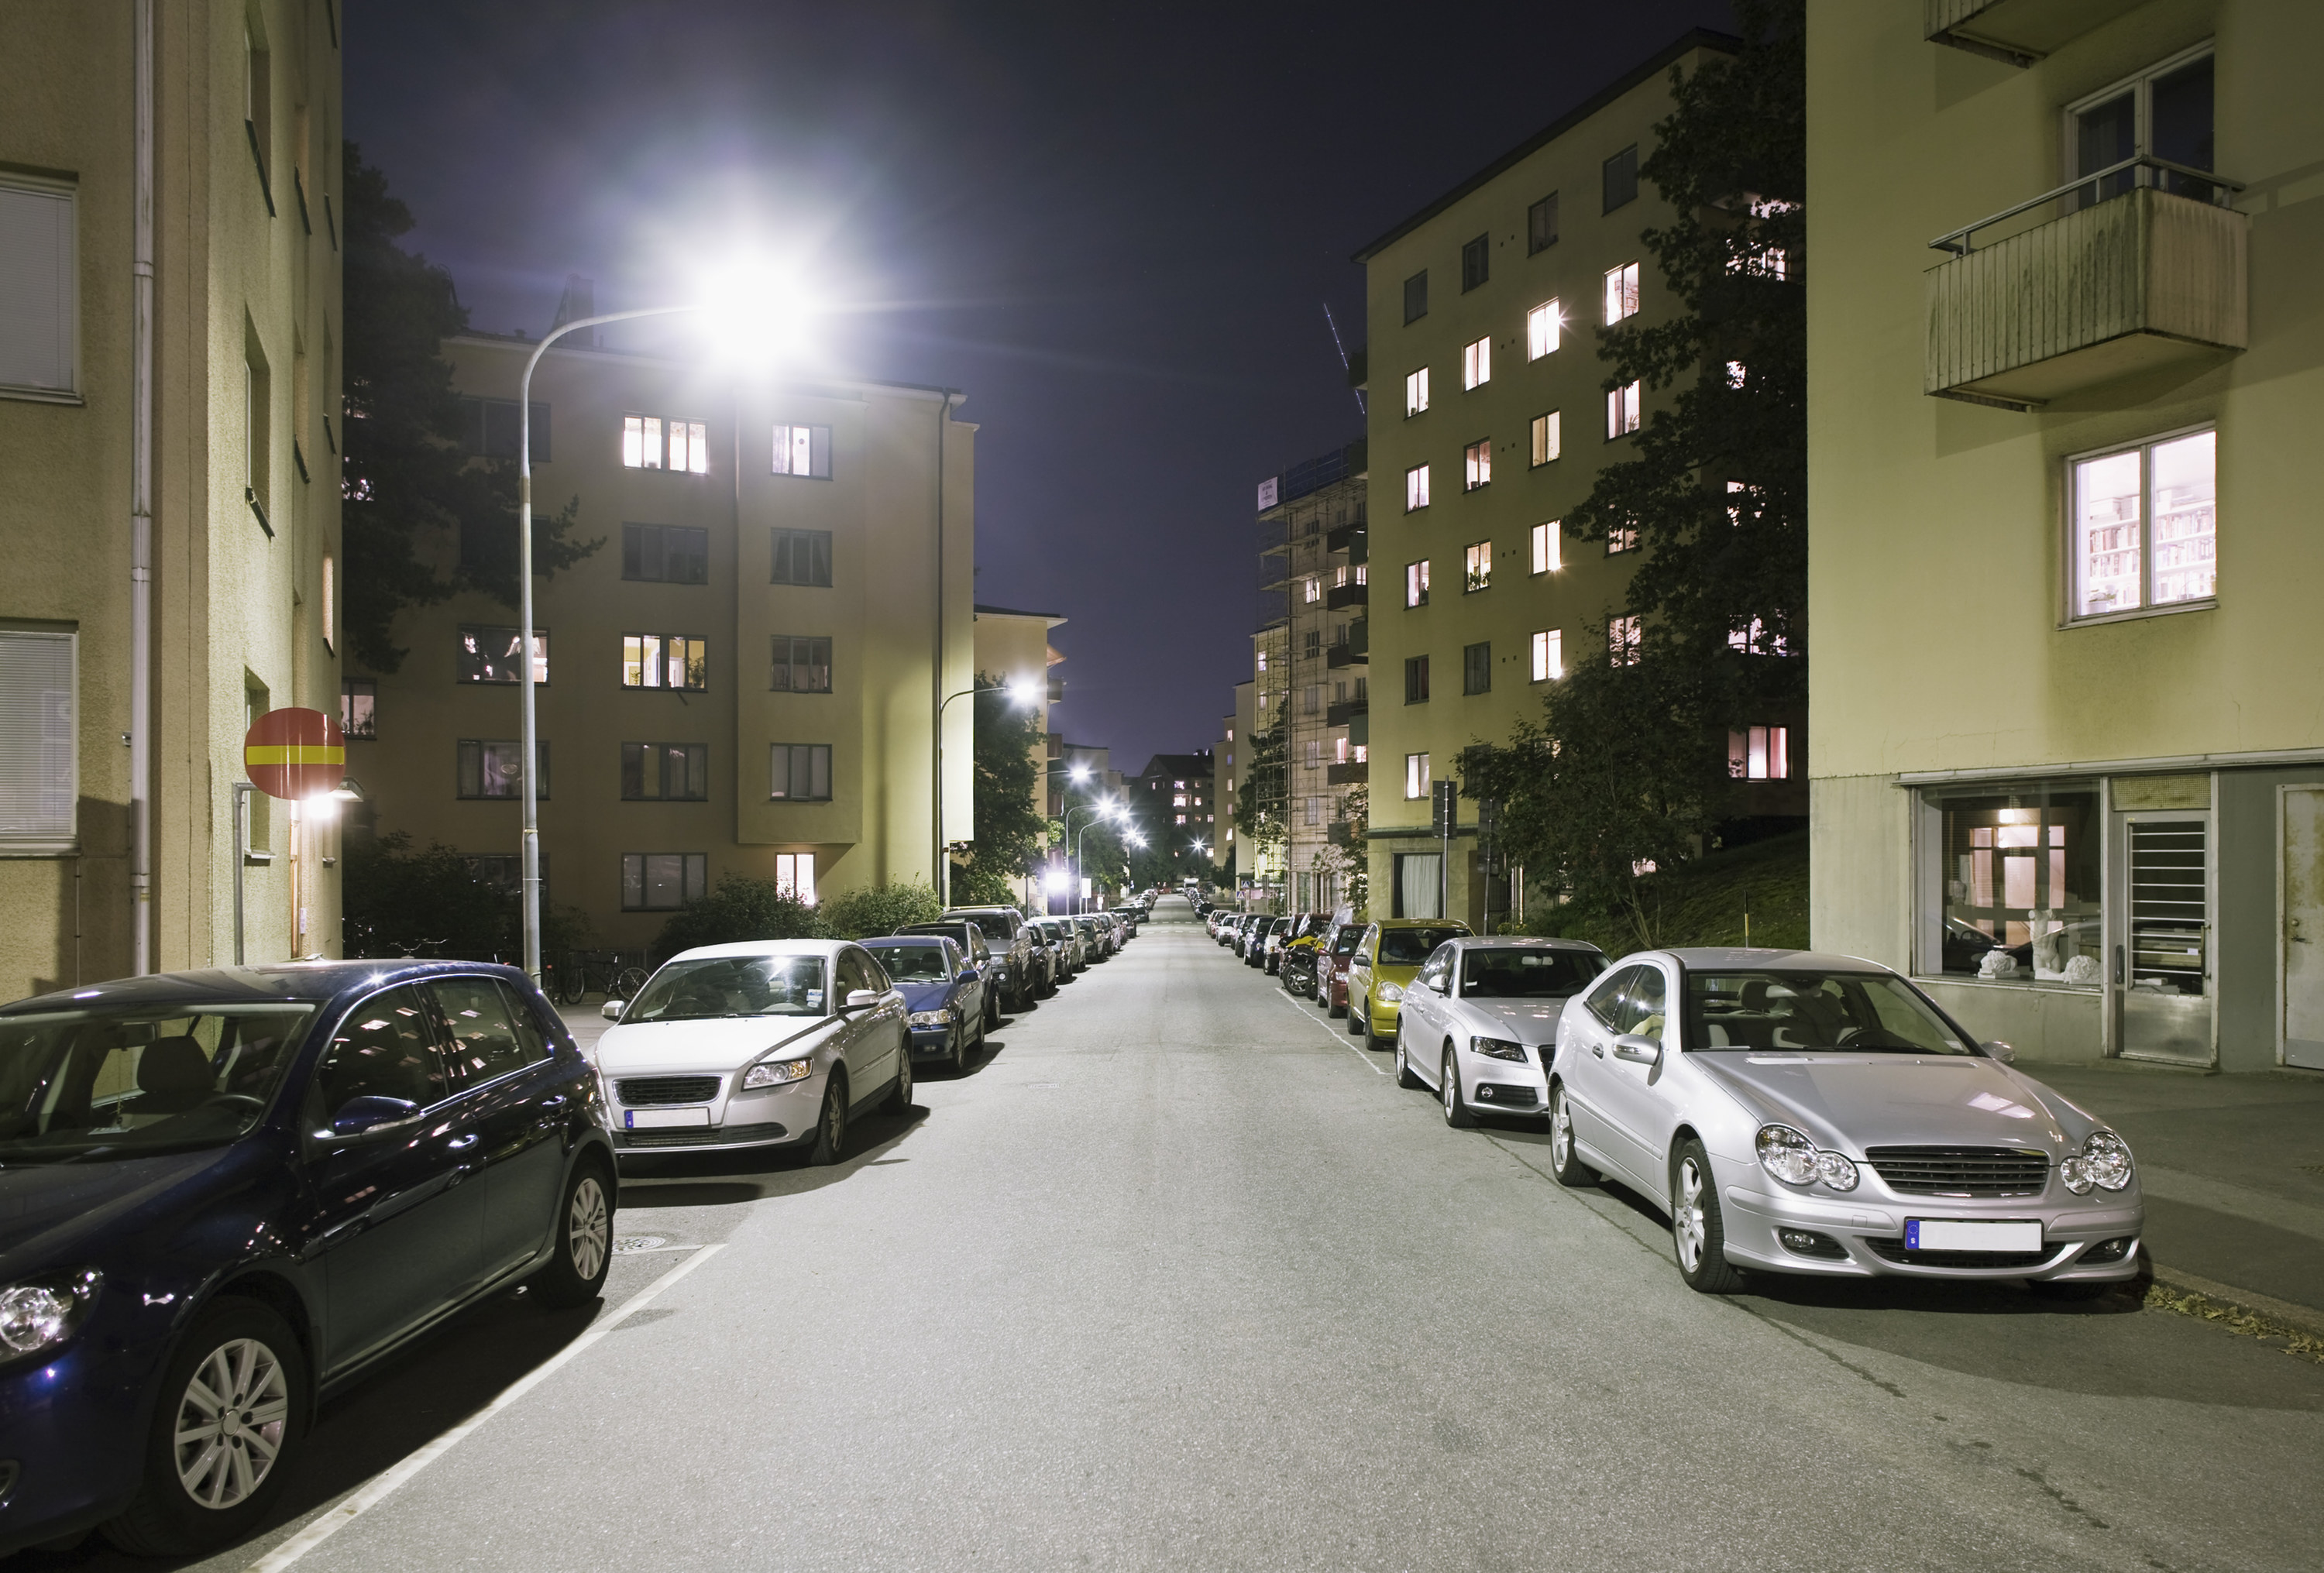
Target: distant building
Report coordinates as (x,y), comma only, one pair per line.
(1175,797)
(169,479)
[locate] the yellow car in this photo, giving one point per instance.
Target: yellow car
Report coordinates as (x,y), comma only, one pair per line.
(1386,958)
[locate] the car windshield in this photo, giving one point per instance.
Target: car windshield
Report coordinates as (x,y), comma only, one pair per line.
(1408,947)
(1847,1012)
(1526,974)
(101,1085)
(721,985)
(913,963)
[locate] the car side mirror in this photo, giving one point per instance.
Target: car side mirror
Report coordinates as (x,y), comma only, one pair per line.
(358,1115)
(861,1000)
(967,975)
(1638,1050)
(1441,985)
(612,1009)
(2000,1050)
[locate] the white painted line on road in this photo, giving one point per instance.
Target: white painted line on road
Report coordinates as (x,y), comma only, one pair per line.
(1335,1037)
(373,1494)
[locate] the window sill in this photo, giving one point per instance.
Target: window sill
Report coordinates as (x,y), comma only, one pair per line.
(2209,603)
(41,395)
(40,847)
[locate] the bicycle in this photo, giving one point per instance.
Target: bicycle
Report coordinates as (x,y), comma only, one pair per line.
(601,971)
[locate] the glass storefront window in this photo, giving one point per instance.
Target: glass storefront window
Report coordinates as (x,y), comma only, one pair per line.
(2019,897)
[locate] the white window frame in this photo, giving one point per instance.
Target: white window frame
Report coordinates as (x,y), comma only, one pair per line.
(30,190)
(1549,546)
(1477,363)
(1545,324)
(1548,655)
(795,876)
(1415,392)
(48,733)
(793,445)
(2069,577)
(1621,287)
(1415,776)
(1477,566)
(1477,465)
(1548,438)
(1415,583)
(1622,411)
(1624,639)
(1415,488)
(2140,85)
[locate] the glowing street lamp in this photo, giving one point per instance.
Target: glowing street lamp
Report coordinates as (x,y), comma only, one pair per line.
(1022,694)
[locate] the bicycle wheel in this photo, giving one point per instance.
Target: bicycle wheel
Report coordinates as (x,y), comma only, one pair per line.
(572,981)
(628,981)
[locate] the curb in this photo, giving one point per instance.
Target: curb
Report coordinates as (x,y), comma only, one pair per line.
(2301,1319)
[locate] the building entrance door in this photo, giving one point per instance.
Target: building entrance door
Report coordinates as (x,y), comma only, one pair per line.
(2300,890)
(2161,973)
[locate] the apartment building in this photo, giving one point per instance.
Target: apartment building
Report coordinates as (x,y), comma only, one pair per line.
(169,317)
(1488,420)
(746,677)
(1174,799)
(2070,767)
(1314,572)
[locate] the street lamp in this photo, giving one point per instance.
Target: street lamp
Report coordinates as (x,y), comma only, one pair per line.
(1022,694)
(1113,811)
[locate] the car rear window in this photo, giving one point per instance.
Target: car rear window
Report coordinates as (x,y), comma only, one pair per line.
(1408,947)
(1525,974)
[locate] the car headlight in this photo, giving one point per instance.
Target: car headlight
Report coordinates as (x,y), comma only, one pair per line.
(2103,1161)
(1390,993)
(1498,1049)
(1791,1157)
(933,1017)
(43,1312)
(778,1072)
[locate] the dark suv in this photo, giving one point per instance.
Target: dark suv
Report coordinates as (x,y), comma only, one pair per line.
(1004,931)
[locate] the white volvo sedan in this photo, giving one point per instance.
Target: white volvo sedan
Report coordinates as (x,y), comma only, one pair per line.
(773,1042)
(1479,1021)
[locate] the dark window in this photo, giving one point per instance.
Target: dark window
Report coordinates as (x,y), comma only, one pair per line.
(1416,296)
(488,654)
(1477,668)
(1476,263)
(386,1049)
(483,1043)
(503,872)
(1622,177)
(1541,225)
(670,772)
(802,663)
(666,554)
(359,707)
(802,556)
(490,767)
(801,772)
(1416,679)
(663,882)
(488,428)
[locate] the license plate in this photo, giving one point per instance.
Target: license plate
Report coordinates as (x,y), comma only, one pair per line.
(661,1118)
(1948,1234)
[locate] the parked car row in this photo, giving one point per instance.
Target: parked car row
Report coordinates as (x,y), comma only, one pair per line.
(1788,1111)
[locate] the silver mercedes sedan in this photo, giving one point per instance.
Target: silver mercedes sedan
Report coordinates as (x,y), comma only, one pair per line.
(1803,1113)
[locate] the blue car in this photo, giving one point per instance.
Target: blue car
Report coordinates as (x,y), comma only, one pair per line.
(225,1194)
(944,992)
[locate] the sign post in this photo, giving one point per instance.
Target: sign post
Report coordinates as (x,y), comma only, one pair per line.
(293,754)
(1447,804)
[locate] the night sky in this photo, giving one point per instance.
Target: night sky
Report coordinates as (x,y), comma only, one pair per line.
(1116,229)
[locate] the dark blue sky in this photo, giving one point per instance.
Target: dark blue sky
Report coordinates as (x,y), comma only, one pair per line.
(1115,227)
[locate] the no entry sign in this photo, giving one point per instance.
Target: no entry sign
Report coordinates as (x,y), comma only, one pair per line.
(295,753)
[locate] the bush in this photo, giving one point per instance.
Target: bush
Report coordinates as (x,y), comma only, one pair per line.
(741,907)
(398,901)
(879,909)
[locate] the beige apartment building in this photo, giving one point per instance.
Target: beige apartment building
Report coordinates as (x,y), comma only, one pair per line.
(168,500)
(747,677)
(2064,373)
(1488,421)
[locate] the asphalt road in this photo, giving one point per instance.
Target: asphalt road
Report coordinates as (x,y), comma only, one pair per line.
(1176,1278)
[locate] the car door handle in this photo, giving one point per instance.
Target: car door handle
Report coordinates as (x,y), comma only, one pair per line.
(461,1144)
(1599,1050)
(551,1105)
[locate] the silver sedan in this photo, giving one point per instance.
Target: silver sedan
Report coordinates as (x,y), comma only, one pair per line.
(1817,1114)
(1478,1022)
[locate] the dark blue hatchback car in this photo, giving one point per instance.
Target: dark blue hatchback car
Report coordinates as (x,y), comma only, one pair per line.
(226,1193)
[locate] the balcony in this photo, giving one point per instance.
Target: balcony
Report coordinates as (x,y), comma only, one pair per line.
(2143,281)
(1343,832)
(1354,649)
(1349,538)
(1352,774)
(1342,713)
(1340,595)
(2020,32)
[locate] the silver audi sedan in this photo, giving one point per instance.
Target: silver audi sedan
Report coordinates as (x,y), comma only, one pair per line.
(1803,1113)
(1478,1022)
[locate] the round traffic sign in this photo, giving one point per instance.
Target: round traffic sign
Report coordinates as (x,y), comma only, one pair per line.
(295,753)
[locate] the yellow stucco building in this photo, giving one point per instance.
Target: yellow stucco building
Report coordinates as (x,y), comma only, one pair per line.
(169,318)
(2063,371)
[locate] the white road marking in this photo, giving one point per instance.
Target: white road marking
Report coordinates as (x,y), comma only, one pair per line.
(1338,1038)
(373,1494)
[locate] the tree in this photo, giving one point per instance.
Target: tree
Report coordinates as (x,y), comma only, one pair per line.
(1010,832)
(740,906)
(406,482)
(1627,769)
(877,909)
(1260,797)
(401,900)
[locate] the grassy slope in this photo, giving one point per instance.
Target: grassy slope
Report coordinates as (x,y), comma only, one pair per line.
(1703,904)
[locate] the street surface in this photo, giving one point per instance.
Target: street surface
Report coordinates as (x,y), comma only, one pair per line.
(1178,1278)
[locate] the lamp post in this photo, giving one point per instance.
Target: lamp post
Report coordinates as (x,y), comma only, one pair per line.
(1104,811)
(1018,693)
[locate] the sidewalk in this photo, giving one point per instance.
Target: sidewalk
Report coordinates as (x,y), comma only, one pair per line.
(2233,1171)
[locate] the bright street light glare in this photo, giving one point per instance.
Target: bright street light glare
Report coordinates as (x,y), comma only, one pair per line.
(1080,772)
(1024,694)
(757,317)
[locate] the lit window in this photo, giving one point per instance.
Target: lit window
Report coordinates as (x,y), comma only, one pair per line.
(2145,526)
(1549,655)
(1548,549)
(801,772)
(1476,464)
(1541,326)
(1361,749)
(1477,363)
(1622,640)
(795,876)
(804,451)
(1415,583)
(1478,562)
(1180,818)
(1179,800)
(1759,753)
(658,660)
(1754,639)
(641,442)
(1737,373)
(1415,488)
(1314,752)
(1182,783)
(1315,587)
(663,882)
(358,707)
(1621,292)
(1735,489)
(1416,392)
(39,311)
(1622,538)
(1622,411)
(1548,442)
(488,654)
(1340,751)
(1416,775)
(330,605)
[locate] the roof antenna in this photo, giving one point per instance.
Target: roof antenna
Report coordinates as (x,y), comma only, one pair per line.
(1342,348)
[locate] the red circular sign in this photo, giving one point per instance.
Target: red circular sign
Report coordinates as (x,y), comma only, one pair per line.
(295,753)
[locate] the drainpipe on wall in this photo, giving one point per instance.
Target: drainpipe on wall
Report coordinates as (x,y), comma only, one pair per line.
(141,519)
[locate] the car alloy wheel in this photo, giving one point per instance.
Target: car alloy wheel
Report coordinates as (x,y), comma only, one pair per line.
(1457,1113)
(588,1229)
(230,1423)
(1568,1169)
(900,1096)
(1696,1230)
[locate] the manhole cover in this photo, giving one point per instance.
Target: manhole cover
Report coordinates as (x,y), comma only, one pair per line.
(628,1244)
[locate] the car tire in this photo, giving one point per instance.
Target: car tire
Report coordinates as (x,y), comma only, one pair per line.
(1359,1022)
(959,1058)
(247,1347)
(1457,1112)
(1337,1010)
(900,1095)
(830,1143)
(583,1249)
(1564,1162)
(1698,1232)
(1404,1076)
